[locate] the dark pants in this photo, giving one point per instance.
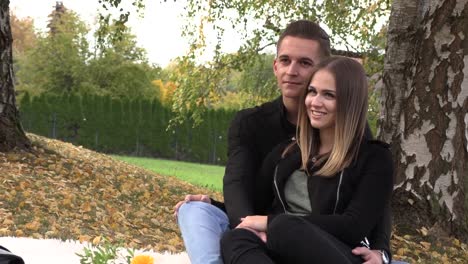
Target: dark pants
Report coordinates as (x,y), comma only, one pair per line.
(290,239)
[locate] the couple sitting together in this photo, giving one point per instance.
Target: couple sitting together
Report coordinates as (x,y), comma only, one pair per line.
(305,182)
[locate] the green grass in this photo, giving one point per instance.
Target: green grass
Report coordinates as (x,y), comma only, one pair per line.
(208,176)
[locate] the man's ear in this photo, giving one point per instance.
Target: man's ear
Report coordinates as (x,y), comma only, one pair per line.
(274,66)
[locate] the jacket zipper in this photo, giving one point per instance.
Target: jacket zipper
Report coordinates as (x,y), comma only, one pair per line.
(277,189)
(276,184)
(338,192)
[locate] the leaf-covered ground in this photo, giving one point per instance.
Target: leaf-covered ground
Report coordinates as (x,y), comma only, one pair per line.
(59,190)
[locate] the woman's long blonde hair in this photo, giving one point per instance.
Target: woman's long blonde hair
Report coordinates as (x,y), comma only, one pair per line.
(350,122)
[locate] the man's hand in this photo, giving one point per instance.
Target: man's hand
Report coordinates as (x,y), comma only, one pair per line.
(191,197)
(369,256)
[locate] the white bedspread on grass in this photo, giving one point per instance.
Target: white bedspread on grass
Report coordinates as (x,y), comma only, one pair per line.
(53,251)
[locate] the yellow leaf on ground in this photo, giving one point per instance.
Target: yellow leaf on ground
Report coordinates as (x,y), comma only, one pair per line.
(426,245)
(84,238)
(86,207)
(7,222)
(50,233)
(423,231)
(401,251)
(96,240)
(33,226)
(4,231)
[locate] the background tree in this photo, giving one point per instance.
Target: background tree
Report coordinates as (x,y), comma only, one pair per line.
(424,113)
(62,61)
(253,85)
(57,63)
(257,80)
(113,76)
(24,37)
(119,67)
(206,83)
(124,43)
(164,91)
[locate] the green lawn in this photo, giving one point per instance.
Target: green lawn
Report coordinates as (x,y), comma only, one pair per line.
(209,176)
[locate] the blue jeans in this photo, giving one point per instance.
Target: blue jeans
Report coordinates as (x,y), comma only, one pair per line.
(202,226)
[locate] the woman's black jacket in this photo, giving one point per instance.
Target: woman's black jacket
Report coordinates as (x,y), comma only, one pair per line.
(348,205)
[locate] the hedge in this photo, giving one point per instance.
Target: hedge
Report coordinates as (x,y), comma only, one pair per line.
(124,126)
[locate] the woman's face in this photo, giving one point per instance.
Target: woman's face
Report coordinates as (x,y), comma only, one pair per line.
(320,101)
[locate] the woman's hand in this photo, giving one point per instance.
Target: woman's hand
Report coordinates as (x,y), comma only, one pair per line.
(369,256)
(256,222)
(191,197)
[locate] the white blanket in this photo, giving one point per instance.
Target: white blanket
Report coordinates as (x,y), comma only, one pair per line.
(53,251)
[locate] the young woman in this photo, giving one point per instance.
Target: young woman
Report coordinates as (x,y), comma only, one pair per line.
(331,186)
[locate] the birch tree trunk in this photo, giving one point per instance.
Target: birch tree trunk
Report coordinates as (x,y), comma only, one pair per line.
(11,132)
(424,113)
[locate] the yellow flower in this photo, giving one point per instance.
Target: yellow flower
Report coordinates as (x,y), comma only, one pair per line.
(143,259)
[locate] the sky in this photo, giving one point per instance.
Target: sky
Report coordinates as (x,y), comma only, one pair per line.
(159,31)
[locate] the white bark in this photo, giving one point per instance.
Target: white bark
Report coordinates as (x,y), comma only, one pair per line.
(425,105)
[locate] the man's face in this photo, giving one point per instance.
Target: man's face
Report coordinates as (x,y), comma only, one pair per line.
(293,64)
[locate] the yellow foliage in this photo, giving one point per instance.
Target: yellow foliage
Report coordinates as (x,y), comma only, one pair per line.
(165,90)
(97,240)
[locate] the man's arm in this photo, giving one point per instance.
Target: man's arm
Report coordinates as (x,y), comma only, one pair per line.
(380,235)
(238,181)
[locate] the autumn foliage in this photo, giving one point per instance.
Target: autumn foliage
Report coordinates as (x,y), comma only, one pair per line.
(165,90)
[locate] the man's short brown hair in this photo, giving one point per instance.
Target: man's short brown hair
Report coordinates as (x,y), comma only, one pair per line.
(307,29)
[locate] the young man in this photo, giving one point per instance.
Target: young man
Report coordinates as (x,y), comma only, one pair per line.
(252,135)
